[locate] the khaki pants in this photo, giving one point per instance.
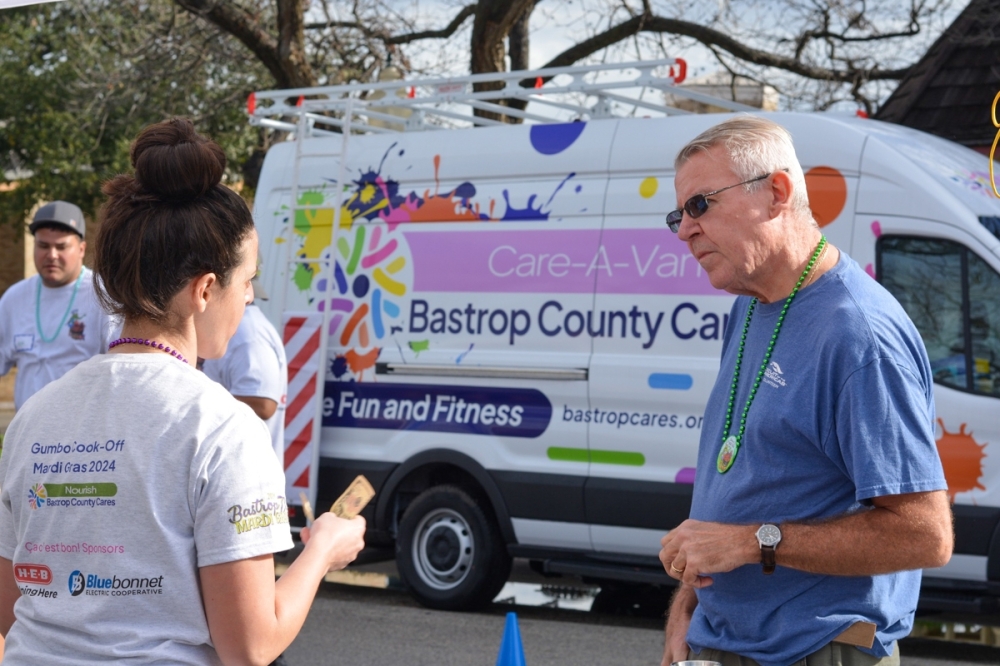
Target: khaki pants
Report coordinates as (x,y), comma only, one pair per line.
(832,654)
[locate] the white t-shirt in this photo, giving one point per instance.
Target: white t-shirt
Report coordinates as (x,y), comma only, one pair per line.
(119,481)
(81,330)
(254,365)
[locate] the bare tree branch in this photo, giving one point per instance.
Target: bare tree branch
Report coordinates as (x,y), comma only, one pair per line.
(715,38)
(239,23)
(406,38)
(842,37)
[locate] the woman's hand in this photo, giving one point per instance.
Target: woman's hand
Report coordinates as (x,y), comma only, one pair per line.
(252,618)
(341,539)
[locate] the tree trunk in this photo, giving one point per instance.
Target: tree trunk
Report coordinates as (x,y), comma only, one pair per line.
(518,42)
(493,22)
(291,44)
(285,57)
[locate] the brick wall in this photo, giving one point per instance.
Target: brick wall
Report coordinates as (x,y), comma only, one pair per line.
(11,254)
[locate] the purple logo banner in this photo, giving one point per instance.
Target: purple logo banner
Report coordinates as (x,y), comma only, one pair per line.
(572,261)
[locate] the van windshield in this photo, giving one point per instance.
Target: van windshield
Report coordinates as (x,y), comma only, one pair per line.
(951,294)
(991,223)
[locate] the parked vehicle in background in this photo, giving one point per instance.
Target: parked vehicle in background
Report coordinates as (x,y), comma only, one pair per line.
(495,327)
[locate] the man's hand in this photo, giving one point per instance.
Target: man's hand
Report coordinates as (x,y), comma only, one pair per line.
(694,550)
(675,647)
(917,525)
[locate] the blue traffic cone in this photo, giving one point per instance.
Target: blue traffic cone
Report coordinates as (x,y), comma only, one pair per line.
(511,649)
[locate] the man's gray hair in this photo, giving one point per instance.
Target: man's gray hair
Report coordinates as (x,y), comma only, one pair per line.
(756,146)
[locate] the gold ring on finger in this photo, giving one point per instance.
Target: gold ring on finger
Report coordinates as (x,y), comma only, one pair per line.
(675,569)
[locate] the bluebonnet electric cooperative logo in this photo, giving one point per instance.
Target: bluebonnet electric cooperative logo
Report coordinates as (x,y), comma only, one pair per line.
(77,583)
(95,585)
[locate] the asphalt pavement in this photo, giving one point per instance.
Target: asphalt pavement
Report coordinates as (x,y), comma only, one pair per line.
(363,627)
(368,626)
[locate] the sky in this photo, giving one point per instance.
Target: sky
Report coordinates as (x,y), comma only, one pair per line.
(7,4)
(558,24)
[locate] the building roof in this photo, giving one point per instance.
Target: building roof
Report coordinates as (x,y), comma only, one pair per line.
(950,90)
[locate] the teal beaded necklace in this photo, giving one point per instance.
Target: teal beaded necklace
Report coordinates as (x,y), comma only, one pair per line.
(38,308)
(731,443)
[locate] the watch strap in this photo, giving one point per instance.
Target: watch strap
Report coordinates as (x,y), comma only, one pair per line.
(767,558)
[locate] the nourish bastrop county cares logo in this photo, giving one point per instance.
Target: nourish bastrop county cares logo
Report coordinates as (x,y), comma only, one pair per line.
(37,496)
(72,494)
(97,585)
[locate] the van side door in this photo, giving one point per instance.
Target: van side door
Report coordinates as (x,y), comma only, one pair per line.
(657,325)
(949,284)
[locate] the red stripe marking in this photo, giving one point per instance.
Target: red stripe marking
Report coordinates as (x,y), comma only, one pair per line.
(292,327)
(300,401)
(304,355)
(298,445)
(303,480)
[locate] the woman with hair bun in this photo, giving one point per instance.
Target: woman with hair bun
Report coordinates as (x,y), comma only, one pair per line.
(141,503)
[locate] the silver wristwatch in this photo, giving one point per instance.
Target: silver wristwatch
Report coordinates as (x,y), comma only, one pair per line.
(768,536)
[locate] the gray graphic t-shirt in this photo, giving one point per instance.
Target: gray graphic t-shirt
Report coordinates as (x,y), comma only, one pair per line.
(119,481)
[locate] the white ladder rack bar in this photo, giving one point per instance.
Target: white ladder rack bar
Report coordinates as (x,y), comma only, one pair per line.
(460,97)
(437,103)
(645,68)
(707,99)
(475,120)
(504,110)
(538,99)
(313,207)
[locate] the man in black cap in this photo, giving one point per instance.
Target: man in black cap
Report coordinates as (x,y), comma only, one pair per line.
(52,321)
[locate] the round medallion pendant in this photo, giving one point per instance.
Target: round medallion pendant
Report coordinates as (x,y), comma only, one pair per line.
(727,454)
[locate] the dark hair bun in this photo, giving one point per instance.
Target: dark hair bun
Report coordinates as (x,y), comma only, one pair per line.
(175,163)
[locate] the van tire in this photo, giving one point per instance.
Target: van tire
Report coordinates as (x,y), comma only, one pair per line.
(449,550)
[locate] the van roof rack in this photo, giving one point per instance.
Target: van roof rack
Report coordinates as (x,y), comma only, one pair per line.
(553,95)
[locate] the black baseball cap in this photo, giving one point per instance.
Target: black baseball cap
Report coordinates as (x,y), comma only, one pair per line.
(61,213)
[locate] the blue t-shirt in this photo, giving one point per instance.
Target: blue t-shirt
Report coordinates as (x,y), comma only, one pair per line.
(844,413)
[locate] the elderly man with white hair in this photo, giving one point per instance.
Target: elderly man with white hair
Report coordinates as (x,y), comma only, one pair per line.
(819,493)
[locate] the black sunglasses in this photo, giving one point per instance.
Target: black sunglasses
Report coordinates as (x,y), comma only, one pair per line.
(696,206)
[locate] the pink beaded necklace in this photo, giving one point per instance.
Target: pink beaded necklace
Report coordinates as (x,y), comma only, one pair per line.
(148,343)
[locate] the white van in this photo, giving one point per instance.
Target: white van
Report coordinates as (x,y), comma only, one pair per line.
(516,351)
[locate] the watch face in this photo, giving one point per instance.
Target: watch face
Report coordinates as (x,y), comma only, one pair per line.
(769,535)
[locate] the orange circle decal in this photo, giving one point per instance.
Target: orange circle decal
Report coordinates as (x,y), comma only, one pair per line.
(827,191)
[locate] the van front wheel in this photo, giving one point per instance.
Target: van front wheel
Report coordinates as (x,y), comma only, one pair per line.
(449,550)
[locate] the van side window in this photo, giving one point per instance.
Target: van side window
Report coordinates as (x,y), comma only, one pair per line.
(951,296)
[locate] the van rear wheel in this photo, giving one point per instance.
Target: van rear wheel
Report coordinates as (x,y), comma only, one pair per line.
(449,550)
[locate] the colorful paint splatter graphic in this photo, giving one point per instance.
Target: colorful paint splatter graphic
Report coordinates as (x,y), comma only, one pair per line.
(974,181)
(827,190)
(877,232)
(962,459)
(37,496)
(368,280)
(372,268)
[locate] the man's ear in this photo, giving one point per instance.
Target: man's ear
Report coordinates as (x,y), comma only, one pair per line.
(201,291)
(781,192)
